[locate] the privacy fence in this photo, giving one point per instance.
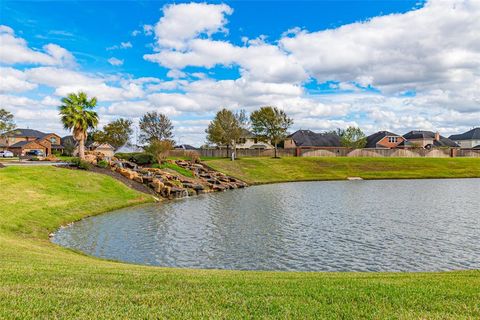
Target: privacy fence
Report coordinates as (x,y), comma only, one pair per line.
(337,152)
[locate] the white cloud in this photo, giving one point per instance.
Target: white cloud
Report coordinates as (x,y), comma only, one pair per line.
(13,80)
(183,22)
(122,45)
(115,62)
(15,50)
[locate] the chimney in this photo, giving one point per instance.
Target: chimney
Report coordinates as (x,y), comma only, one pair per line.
(437,136)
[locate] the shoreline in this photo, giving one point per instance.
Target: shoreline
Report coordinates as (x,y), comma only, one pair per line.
(149,203)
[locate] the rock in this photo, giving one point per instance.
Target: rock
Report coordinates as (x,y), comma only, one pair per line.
(198,187)
(138,179)
(90,158)
(157,185)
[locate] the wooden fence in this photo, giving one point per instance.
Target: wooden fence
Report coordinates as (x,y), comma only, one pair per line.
(335,152)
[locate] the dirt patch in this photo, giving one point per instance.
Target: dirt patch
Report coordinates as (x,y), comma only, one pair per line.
(1,166)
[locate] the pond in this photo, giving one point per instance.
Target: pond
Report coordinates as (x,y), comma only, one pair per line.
(385,225)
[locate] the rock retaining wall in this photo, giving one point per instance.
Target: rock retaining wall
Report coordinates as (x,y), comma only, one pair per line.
(170,185)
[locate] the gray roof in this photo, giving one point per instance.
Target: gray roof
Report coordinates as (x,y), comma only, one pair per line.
(26,133)
(308,138)
(373,139)
(20,144)
(473,134)
(419,134)
(185,147)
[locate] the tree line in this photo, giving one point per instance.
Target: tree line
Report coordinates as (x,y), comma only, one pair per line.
(269,124)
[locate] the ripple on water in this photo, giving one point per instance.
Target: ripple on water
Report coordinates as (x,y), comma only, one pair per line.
(402,225)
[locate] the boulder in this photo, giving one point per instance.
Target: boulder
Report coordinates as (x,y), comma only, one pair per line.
(157,185)
(90,158)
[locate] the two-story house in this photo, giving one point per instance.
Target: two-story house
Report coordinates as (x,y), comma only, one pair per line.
(384,140)
(428,139)
(21,141)
(467,140)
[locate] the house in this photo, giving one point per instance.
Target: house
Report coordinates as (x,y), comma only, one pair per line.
(427,140)
(104,148)
(469,139)
(184,147)
(249,141)
(20,141)
(308,138)
(384,139)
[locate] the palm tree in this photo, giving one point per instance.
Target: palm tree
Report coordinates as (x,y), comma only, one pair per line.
(77,115)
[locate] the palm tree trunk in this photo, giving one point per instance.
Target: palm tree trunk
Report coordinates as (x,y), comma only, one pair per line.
(81,148)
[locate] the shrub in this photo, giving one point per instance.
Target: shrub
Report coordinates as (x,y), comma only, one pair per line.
(136,157)
(193,156)
(102,164)
(81,164)
(142,158)
(34,159)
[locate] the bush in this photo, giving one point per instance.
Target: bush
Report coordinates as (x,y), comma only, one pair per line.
(34,159)
(142,158)
(81,164)
(102,164)
(136,157)
(193,156)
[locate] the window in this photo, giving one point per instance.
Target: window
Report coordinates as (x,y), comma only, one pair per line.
(393,139)
(53,140)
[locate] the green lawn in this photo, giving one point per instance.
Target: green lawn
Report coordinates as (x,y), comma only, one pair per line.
(268,170)
(39,280)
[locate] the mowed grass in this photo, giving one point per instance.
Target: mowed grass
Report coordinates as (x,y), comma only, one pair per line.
(39,280)
(269,170)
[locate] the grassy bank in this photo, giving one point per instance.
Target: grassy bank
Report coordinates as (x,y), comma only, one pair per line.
(41,280)
(268,170)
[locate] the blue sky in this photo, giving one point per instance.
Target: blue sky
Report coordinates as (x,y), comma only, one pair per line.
(380,65)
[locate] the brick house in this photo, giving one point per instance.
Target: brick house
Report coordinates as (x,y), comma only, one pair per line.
(21,141)
(384,139)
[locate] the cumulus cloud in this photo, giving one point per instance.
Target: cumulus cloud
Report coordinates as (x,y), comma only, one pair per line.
(15,50)
(398,72)
(183,22)
(13,80)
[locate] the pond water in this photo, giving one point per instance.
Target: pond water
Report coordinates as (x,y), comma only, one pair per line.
(387,225)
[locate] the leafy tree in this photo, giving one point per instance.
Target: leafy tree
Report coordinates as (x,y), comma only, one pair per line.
(270,124)
(353,138)
(6,122)
(226,128)
(116,133)
(155,126)
(77,114)
(159,149)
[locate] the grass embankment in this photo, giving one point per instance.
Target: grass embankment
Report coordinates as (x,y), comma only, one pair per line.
(268,170)
(40,280)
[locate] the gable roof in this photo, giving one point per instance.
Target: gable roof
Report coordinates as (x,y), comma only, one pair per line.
(445,142)
(473,134)
(97,145)
(419,134)
(308,138)
(26,133)
(185,147)
(373,139)
(22,144)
